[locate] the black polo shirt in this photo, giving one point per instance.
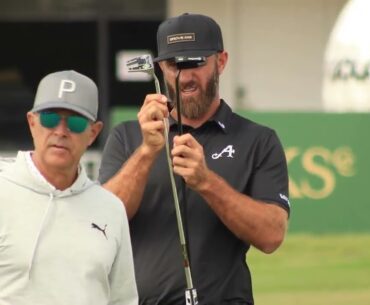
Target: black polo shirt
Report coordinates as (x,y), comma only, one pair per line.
(250,158)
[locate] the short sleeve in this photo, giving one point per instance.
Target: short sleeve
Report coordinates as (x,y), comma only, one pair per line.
(269,181)
(113,156)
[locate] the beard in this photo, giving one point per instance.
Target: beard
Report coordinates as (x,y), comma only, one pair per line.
(196,107)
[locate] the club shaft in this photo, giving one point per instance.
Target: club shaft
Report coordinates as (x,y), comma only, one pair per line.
(178,105)
(180,227)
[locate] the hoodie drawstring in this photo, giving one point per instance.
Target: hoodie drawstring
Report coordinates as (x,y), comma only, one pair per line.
(42,225)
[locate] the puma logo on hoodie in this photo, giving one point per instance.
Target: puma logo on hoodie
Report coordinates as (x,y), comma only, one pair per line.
(95,226)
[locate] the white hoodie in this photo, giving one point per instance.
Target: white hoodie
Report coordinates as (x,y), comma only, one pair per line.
(68,247)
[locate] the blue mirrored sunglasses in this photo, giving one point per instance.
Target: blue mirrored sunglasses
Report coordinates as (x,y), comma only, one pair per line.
(75,123)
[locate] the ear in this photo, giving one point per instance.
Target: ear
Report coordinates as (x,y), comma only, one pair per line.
(95,129)
(160,64)
(222,58)
(31,119)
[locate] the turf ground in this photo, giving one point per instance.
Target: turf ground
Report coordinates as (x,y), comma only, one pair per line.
(313,270)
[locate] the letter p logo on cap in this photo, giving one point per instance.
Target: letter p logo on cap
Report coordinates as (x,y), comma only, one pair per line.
(66,86)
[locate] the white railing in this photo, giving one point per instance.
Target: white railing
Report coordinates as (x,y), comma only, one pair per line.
(90,160)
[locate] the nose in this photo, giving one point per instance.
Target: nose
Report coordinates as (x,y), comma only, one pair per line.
(61,128)
(186,75)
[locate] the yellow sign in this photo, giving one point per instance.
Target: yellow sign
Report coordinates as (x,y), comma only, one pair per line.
(322,164)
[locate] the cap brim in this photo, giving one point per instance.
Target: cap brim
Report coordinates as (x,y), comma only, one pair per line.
(63,105)
(190,53)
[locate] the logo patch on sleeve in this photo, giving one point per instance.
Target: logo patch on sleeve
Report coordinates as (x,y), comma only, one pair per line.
(285,198)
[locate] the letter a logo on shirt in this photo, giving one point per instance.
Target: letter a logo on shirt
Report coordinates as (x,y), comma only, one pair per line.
(228,150)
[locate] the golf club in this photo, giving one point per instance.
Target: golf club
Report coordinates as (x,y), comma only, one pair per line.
(186,62)
(144,63)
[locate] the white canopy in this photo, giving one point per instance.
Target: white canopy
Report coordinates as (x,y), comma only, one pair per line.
(346,85)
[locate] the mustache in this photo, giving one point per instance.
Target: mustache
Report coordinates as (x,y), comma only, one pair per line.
(182,86)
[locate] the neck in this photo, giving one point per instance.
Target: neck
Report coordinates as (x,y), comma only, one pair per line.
(60,180)
(195,123)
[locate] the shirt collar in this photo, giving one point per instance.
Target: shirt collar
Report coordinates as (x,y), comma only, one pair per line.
(35,172)
(221,118)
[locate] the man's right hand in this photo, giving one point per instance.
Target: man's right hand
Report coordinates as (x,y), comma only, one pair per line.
(130,181)
(151,122)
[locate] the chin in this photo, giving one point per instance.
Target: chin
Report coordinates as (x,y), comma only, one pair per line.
(60,162)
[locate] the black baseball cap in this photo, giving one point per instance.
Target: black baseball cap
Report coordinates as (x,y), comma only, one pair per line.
(188,35)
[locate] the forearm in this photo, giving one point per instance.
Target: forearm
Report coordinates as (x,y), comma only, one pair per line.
(260,224)
(129,182)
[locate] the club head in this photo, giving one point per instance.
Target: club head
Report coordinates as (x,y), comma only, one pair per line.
(143,63)
(188,62)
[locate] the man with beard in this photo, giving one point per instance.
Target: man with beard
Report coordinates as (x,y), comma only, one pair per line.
(234,170)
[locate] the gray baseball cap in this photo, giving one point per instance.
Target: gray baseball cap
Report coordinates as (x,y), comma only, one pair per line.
(68,90)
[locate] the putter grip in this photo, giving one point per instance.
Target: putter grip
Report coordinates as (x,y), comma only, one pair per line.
(191,297)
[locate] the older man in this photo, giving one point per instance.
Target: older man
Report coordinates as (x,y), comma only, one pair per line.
(63,238)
